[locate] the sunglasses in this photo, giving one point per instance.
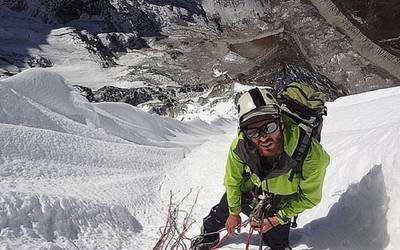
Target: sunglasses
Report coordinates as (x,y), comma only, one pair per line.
(267,128)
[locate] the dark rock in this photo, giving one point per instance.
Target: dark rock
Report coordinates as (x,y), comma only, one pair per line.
(186,88)
(175,54)
(68,10)
(164,95)
(96,47)
(216,19)
(21,61)
(5,74)
(128,18)
(156,100)
(295,73)
(85,91)
(118,16)
(166,108)
(15,5)
(64,11)
(193,7)
(39,62)
(281,50)
(379,20)
(121,42)
(130,96)
(222,86)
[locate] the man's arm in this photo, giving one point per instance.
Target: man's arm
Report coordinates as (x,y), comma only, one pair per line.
(233,180)
(310,193)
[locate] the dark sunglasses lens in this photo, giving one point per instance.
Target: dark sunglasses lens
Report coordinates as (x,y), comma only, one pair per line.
(252,133)
(267,128)
(270,127)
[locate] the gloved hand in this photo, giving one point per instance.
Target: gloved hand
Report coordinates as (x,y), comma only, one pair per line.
(231,223)
(266,224)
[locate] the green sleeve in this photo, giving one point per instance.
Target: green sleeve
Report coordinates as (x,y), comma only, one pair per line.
(233,180)
(310,193)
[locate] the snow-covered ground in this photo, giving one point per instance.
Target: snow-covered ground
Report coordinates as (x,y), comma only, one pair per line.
(80,175)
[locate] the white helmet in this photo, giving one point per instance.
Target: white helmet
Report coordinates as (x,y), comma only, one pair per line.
(257,103)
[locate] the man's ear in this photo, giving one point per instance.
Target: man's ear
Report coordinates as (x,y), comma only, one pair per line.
(282,124)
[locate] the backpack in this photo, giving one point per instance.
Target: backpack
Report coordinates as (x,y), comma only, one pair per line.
(306,107)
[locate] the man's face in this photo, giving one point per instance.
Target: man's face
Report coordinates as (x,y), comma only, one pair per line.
(269,145)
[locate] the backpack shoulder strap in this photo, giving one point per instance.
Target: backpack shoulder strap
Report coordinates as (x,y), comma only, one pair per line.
(300,153)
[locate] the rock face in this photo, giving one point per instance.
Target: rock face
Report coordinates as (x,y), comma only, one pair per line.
(86,92)
(64,11)
(95,46)
(294,73)
(122,42)
(379,20)
(236,12)
(157,100)
(130,96)
(144,17)
(16,5)
(19,61)
(307,40)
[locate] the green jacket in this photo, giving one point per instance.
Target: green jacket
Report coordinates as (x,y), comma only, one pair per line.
(244,162)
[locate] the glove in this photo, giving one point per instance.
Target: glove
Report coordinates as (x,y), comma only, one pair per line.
(266,224)
(231,223)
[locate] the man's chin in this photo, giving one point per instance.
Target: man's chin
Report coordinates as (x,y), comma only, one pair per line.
(270,153)
(266,153)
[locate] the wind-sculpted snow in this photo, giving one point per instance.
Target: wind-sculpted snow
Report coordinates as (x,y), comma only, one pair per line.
(41,99)
(79,175)
(30,144)
(45,88)
(48,218)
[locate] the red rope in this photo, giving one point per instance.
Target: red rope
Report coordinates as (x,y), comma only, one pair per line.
(219,242)
(249,238)
(226,235)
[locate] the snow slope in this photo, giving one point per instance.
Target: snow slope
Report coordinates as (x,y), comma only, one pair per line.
(72,170)
(78,175)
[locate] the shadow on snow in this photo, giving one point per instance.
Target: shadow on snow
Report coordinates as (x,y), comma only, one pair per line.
(356,221)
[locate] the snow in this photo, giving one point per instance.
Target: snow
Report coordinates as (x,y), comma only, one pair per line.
(94,164)
(79,175)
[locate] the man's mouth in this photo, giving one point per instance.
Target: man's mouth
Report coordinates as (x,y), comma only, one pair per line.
(267,144)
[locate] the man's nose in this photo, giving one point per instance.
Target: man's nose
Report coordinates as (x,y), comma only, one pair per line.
(263,137)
